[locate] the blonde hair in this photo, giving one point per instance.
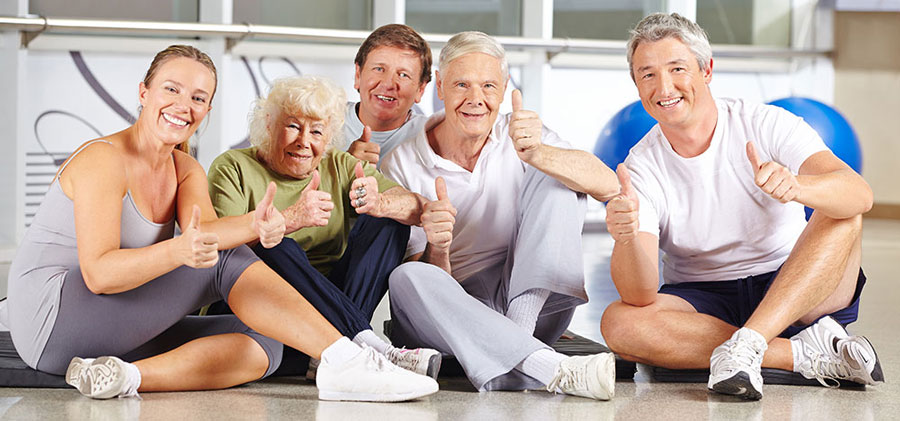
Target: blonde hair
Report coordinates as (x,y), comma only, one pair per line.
(310,96)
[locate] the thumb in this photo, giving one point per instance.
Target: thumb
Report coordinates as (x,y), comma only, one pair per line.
(440,187)
(359,170)
(516,100)
(195,218)
(366,134)
(752,156)
(314,183)
(262,208)
(625,182)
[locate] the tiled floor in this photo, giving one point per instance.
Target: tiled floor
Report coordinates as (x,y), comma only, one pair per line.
(640,399)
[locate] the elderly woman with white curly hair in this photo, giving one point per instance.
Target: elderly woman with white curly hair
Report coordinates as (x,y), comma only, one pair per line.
(346,224)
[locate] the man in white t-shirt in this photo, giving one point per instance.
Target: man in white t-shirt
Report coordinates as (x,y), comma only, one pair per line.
(393,66)
(497,269)
(719,186)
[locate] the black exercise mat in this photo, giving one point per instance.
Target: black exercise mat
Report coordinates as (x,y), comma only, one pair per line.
(770,376)
(14,372)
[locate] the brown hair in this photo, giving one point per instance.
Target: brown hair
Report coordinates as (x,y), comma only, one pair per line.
(186,51)
(399,36)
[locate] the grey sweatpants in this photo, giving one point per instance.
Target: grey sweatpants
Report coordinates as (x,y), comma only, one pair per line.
(467,318)
(148,320)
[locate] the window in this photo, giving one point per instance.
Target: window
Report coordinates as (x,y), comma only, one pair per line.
(332,14)
(493,17)
(163,11)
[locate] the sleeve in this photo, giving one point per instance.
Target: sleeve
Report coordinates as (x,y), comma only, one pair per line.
(225,188)
(392,167)
(648,212)
(550,137)
(786,138)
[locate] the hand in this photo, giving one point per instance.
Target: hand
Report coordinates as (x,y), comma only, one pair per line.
(524,129)
(268,223)
(622,210)
(438,217)
(773,178)
(364,149)
(195,248)
(364,195)
(312,209)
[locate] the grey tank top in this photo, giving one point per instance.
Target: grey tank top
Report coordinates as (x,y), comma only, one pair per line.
(48,252)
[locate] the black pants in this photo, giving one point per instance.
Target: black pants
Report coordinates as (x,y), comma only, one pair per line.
(348,296)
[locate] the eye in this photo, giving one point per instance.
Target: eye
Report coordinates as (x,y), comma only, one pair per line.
(647,76)
(679,69)
(294,126)
(378,69)
(171,89)
(461,85)
(404,75)
(490,85)
(199,99)
(317,132)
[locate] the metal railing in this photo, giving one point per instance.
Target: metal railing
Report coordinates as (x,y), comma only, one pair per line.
(32,27)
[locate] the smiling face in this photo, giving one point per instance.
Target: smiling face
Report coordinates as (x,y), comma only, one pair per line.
(472,88)
(673,88)
(297,145)
(388,85)
(177,99)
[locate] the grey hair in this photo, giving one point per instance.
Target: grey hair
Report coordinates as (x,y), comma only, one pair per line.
(472,42)
(659,26)
(311,96)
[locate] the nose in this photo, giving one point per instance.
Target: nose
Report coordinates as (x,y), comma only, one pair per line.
(475,96)
(666,86)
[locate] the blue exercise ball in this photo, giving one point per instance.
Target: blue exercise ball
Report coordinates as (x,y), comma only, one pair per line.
(623,131)
(834,129)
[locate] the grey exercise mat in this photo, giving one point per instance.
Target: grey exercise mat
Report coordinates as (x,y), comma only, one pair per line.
(770,376)
(14,372)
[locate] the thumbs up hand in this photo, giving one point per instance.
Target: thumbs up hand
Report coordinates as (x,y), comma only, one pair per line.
(196,248)
(773,178)
(438,217)
(364,195)
(524,129)
(364,149)
(268,222)
(312,209)
(622,210)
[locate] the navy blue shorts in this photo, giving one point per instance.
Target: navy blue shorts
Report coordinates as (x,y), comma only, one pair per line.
(734,301)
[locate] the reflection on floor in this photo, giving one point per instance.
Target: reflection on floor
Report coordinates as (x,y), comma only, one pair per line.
(639,399)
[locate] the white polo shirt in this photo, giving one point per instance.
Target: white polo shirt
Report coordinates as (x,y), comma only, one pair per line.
(486,199)
(389,139)
(712,221)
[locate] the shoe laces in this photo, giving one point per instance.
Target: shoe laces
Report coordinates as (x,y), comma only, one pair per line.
(742,354)
(827,370)
(375,361)
(568,378)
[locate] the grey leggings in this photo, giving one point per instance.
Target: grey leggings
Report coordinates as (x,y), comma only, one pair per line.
(148,320)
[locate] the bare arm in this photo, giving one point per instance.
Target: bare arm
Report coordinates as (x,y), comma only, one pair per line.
(438,218)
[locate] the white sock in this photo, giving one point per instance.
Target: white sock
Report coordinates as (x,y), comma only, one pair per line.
(796,354)
(132,380)
(368,337)
(541,364)
(524,309)
(341,351)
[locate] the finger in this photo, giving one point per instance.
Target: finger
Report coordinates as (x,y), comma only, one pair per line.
(366,134)
(208,239)
(371,157)
(314,183)
(263,208)
(440,188)
(753,156)
(625,181)
(195,218)
(358,170)
(516,100)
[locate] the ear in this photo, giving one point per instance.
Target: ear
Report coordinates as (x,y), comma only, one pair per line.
(142,93)
(707,75)
(420,91)
(438,83)
(356,78)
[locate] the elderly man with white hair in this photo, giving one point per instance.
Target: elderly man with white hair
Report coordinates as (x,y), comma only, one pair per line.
(497,269)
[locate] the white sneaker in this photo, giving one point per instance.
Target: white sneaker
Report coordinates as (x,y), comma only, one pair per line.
(735,366)
(588,376)
(828,354)
(78,375)
(369,376)
(425,361)
(104,378)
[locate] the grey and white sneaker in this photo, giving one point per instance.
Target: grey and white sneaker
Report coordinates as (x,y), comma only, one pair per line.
(104,377)
(369,376)
(735,366)
(828,353)
(425,361)
(588,376)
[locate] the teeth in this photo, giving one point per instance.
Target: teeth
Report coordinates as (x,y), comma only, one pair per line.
(384,98)
(174,120)
(669,102)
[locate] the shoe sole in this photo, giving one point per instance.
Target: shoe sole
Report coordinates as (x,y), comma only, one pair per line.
(738,385)
(107,378)
(434,366)
(73,376)
(374,397)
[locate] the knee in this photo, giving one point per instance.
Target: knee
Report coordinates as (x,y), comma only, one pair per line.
(414,278)
(851,227)
(619,325)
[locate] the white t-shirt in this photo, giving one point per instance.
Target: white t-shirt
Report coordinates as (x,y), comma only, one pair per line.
(486,199)
(388,140)
(712,221)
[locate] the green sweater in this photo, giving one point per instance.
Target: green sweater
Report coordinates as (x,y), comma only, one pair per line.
(238,181)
